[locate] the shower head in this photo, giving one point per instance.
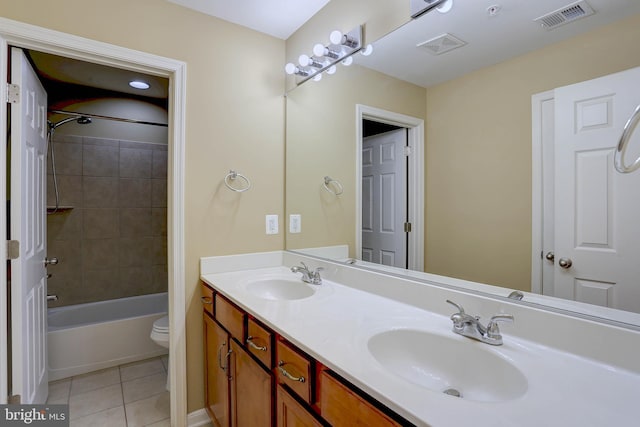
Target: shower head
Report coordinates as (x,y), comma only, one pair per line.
(83,120)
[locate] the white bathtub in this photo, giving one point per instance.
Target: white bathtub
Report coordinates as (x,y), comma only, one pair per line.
(86,337)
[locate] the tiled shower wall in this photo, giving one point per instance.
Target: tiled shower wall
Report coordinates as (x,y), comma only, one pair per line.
(112,243)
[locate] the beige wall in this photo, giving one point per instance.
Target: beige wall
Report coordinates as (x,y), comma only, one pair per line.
(235,116)
(478,178)
(321,136)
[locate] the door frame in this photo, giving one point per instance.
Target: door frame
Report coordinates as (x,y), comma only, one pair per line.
(415,139)
(28,36)
(541,272)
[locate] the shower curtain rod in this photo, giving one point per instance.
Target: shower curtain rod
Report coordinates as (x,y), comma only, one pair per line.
(98,116)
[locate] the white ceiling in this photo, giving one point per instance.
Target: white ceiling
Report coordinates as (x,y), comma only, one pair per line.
(490,39)
(278,18)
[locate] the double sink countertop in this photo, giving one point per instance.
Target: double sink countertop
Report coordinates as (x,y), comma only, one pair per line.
(406,356)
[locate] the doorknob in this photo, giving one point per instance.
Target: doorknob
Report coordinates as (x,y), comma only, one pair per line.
(52,261)
(565,262)
(550,256)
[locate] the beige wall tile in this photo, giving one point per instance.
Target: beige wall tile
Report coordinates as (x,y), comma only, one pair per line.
(158,221)
(159,193)
(100,223)
(68,158)
(99,192)
(135,163)
(134,193)
(100,254)
(100,160)
(136,222)
(159,165)
(135,252)
(64,225)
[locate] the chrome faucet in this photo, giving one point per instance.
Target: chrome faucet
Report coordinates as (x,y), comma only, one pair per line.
(308,276)
(470,326)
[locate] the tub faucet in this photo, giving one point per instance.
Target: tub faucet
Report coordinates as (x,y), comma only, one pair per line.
(308,276)
(470,326)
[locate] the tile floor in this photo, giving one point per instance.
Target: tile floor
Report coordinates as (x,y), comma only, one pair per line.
(131,395)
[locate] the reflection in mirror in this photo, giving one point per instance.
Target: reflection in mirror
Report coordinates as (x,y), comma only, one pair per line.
(487,182)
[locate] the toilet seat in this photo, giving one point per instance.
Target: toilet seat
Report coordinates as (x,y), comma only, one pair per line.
(161,325)
(160,332)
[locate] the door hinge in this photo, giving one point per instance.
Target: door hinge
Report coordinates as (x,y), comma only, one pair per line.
(13,249)
(13,93)
(407,227)
(14,399)
(407,150)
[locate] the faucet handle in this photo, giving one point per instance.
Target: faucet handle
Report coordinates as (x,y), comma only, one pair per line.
(493,331)
(456,305)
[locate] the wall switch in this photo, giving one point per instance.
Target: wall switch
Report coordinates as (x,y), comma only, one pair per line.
(295,223)
(272,224)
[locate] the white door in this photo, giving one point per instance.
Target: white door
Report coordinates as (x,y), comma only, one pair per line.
(28,226)
(384,201)
(597,210)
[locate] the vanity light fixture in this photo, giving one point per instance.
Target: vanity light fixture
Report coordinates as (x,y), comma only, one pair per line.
(325,57)
(139,84)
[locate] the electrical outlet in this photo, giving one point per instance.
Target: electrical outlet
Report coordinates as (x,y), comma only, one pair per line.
(272,224)
(295,223)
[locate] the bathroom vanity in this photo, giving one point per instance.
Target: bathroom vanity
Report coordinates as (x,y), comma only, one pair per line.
(368,348)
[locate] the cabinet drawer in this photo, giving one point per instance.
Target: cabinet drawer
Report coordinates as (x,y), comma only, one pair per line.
(341,406)
(207,298)
(259,342)
(231,318)
(294,370)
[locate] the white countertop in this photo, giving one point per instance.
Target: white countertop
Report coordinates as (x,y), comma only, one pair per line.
(334,326)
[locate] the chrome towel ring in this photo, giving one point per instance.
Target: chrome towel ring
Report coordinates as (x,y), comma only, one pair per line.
(232,176)
(336,188)
(627,131)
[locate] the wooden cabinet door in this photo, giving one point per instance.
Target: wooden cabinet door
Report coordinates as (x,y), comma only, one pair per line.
(251,390)
(290,413)
(216,347)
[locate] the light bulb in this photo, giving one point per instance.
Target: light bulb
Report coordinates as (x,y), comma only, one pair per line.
(347,61)
(331,70)
(445,7)
(367,50)
(304,60)
(318,77)
(290,68)
(319,49)
(335,37)
(138,84)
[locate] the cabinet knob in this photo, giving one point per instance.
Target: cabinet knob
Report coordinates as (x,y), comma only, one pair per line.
(206,300)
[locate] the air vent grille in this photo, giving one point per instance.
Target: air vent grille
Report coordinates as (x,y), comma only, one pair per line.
(441,44)
(577,10)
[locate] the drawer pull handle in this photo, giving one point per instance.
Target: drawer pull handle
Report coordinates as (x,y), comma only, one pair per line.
(224,368)
(284,372)
(207,300)
(253,345)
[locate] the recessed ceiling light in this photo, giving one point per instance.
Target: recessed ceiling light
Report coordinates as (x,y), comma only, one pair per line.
(139,84)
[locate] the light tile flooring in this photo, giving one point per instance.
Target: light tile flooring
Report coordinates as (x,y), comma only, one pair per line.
(132,395)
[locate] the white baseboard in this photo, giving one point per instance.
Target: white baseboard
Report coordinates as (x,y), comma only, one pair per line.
(199,418)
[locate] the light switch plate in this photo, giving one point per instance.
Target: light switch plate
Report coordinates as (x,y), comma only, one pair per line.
(272,224)
(295,223)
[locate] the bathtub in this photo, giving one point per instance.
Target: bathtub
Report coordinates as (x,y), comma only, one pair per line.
(86,337)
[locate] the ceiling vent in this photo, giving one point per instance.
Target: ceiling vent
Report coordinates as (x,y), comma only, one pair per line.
(441,44)
(577,10)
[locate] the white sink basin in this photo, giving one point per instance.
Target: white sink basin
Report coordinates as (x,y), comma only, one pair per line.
(280,289)
(448,365)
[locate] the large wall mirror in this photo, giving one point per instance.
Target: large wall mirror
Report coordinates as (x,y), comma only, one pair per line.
(482,94)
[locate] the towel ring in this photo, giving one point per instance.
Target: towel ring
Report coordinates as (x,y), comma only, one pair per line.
(328,180)
(232,175)
(627,131)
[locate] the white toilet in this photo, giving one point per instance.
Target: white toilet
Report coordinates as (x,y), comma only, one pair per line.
(160,335)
